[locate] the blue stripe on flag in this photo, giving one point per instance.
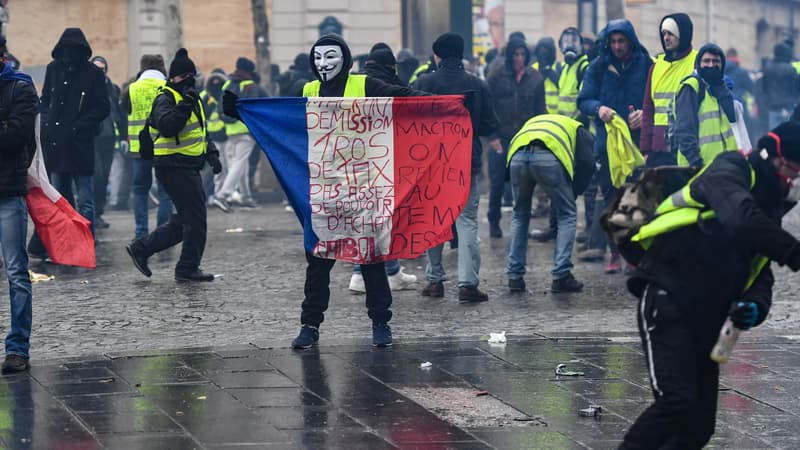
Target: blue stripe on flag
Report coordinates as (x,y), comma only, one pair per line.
(278,124)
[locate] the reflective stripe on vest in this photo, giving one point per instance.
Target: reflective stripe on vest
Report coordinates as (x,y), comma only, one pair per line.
(191,140)
(556,132)
(714,132)
(681,210)
(414,75)
(664,83)
(568,87)
(550,92)
(356,86)
(237,127)
(142,93)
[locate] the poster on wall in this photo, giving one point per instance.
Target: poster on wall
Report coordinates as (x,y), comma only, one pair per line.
(488,27)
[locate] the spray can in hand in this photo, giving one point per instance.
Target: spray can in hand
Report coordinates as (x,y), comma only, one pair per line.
(728,336)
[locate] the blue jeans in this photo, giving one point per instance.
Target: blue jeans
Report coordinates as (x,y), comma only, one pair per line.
(142,181)
(13,235)
(529,167)
(469,255)
(392,267)
(84,184)
(497,182)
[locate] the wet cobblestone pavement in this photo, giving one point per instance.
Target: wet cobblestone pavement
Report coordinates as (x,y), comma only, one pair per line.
(124,362)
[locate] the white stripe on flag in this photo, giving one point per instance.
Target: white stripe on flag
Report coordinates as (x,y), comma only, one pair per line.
(351,175)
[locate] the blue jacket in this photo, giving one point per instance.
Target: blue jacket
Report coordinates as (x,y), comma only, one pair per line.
(607,82)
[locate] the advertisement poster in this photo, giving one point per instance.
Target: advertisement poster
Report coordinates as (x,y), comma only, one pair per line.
(488,27)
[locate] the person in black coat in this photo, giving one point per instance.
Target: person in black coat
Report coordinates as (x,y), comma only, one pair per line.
(693,277)
(74,102)
(450,78)
(381,64)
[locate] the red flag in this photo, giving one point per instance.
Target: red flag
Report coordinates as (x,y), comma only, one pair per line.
(66,235)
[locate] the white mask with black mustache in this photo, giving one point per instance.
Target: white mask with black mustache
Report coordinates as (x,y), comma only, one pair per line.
(329,61)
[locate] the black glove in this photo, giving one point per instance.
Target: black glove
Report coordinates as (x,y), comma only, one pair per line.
(744,315)
(190,96)
(229,105)
(213,161)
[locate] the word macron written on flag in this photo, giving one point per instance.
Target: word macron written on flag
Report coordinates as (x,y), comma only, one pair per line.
(370,179)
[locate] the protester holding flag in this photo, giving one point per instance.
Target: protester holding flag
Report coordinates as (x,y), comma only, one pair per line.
(331,62)
(180,150)
(450,78)
(18,109)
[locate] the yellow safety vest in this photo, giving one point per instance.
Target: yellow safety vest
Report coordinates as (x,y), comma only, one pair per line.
(237,127)
(569,87)
(142,93)
(714,132)
(681,210)
(550,91)
(796,65)
(214,123)
(418,71)
(356,86)
(556,132)
(665,81)
(191,140)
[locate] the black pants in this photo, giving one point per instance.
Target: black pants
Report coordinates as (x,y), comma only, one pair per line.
(683,377)
(103,157)
(188,225)
(318,293)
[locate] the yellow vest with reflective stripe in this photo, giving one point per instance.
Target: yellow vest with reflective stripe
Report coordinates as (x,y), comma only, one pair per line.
(142,93)
(417,72)
(796,65)
(237,127)
(550,92)
(664,83)
(681,210)
(214,123)
(568,87)
(714,132)
(191,140)
(558,133)
(356,87)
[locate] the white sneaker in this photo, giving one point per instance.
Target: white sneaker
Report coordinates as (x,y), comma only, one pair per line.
(401,281)
(357,284)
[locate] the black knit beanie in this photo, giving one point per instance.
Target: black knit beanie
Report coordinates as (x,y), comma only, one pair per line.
(181,64)
(245,64)
(449,45)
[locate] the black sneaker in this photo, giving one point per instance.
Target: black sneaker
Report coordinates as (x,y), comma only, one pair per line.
(543,235)
(139,261)
(197,275)
(100,223)
(582,237)
(15,363)
(495,231)
(309,335)
(471,294)
(381,335)
(516,285)
(566,284)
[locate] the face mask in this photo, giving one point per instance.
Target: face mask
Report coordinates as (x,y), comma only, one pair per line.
(329,61)
(570,45)
(186,83)
(794,191)
(711,75)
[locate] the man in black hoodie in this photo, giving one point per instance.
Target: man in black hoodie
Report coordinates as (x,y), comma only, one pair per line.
(381,64)
(450,78)
(779,86)
(180,150)
(74,103)
(331,61)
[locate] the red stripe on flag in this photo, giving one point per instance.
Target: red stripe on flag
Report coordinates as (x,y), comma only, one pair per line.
(432,161)
(66,235)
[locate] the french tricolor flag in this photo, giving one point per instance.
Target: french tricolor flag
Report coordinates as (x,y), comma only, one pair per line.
(370,179)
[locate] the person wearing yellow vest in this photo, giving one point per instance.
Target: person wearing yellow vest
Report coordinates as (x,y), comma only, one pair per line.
(556,152)
(546,64)
(571,78)
(180,148)
(705,258)
(331,61)
(137,101)
(666,74)
(239,144)
(704,111)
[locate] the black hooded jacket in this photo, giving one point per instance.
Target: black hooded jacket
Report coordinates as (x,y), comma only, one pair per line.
(383,73)
(74,103)
(18,107)
(450,78)
(516,102)
(706,266)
